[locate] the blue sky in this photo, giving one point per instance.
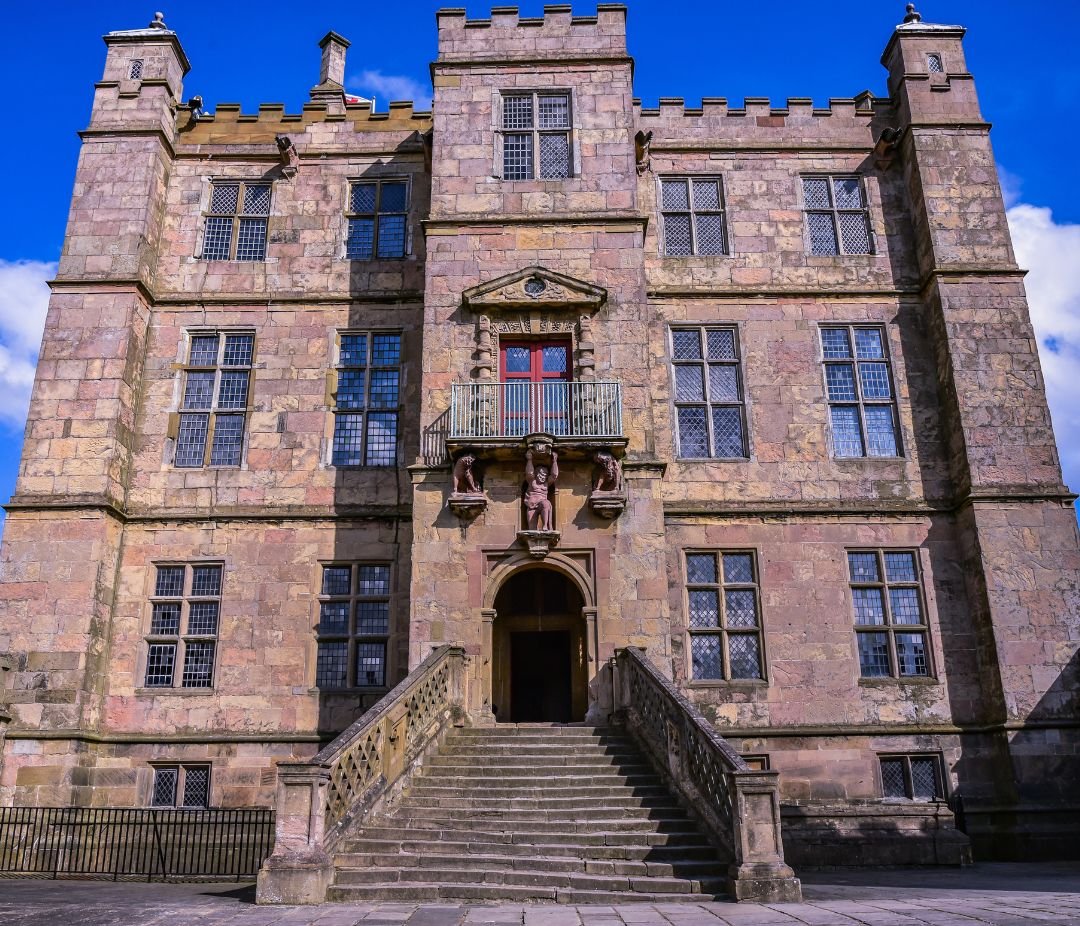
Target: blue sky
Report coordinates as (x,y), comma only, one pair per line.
(1023,57)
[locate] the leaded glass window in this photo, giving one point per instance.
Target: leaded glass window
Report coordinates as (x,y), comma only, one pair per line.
(378,212)
(215,399)
(837,219)
(710,409)
(859,389)
(692,210)
(236,222)
(185,612)
(891,625)
(181,786)
(366,399)
(535,130)
(723,615)
(354,625)
(914,777)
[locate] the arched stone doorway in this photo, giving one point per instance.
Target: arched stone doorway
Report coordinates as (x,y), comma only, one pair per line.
(539,649)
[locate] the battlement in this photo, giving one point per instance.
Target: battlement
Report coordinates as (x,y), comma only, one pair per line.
(865,105)
(558,34)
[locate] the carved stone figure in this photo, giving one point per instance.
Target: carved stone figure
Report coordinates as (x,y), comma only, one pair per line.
(464,478)
(608,473)
(539,481)
(290,158)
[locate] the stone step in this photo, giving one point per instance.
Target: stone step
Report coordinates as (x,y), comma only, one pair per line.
(589,836)
(357,848)
(548,803)
(532,790)
(422,893)
(525,780)
(572,821)
(464,768)
(454,749)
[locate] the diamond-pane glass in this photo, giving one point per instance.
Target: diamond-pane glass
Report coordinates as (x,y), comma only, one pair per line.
(840,379)
(251,241)
(924,778)
(721,343)
(553,359)
(706,194)
(738,567)
(386,350)
(517,112)
(554,157)
(835,343)
(881,431)
(363,198)
(332,665)
(203,618)
(393,197)
(848,193)
(934,65)
(705,655)
(816,192)
(334,617)
(204,348)
(911,654)
(900,567)
(874,379)
(864,567)
(724,382)
(686,344)
(381,437)
(693,436)
(218,238)
(518,359)
(704,607)
(164,794)
(199,390)
(353,350)
(728,431)
(391,236)
(228,440)
(238,350)
(701,568)
(892,778)
(517,157)
(224,197)
(869,606)
(854,232)
(348,440)
(191,440)
(361,241)
(198,665)
(257,200)
(741,607)
(710,234)
(160,661)
(336,580)
(905,606)
(166,618)
(169,582)
(233,390)
(136,69)
(873,655)
(689,384)
(554,111)
(744,655)
(370,665)
(674,195)
(206,581)
(868,344)
(846,437)
(374,580)
(677,241)
(196,786)
(822,233)
(372,617)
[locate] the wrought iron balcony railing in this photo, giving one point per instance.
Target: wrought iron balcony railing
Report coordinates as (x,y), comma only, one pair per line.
(586,409)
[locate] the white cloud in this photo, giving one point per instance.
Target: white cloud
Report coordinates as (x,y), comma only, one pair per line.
(1049,251)
(387,88)
(24,300)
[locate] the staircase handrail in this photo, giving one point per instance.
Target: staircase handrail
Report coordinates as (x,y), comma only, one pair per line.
(739,806)
(318,800)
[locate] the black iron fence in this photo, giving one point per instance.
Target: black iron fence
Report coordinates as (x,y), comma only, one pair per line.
(150,844)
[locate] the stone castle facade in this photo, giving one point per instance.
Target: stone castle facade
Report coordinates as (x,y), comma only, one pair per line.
(775,359)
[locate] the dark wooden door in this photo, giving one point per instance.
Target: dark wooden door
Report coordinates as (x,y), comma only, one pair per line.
(540,676)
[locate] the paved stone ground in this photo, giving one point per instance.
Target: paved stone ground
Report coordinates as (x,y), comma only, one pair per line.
(995,894)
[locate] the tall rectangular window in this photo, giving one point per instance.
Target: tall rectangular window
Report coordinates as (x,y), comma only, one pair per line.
(236,222)
(366,399)
(185,610)
(858,382)
(891,626)
(536,136)
(709,406)
(913,777)
(214,406)
(181,786)
(377,218)
(692,209)
(837,221)
(724,615)
(354,624)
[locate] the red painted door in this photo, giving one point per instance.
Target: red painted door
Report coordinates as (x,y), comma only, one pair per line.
(537,391)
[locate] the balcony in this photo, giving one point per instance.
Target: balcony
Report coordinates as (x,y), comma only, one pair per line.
(585,415)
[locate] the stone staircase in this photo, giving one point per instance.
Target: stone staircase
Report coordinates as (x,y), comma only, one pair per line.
(531,812)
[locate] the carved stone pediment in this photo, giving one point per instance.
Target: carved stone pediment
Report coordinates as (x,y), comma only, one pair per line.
(535,287)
